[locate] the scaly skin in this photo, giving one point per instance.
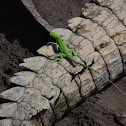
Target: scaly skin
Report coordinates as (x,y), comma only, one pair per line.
(65,53)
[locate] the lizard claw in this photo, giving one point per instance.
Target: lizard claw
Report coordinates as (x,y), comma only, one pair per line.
(58,59)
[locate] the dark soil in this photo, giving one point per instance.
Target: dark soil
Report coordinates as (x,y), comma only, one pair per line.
(21,36)
(107,108)
(58,12)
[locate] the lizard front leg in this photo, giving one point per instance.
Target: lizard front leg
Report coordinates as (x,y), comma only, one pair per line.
(57,46)
(61,56)
(72,51)
(62,38)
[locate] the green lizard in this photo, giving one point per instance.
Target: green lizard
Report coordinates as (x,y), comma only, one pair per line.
(65,53)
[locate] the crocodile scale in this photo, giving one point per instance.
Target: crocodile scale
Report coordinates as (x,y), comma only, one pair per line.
(50,88)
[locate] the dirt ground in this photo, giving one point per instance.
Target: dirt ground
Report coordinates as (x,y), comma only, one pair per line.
(21,36)
(58,12)
(107,108)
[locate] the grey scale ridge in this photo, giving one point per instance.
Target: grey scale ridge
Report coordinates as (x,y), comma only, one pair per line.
(44,95)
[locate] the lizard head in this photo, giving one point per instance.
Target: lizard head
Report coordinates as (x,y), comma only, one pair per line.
(54,35)
(58,38)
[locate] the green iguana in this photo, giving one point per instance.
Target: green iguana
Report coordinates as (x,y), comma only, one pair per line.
(65,53)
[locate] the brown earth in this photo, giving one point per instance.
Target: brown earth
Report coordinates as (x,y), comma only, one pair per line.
(58,12)
(107,108)
(21,36)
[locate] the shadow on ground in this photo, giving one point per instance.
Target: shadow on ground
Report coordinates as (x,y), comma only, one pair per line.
(18,24)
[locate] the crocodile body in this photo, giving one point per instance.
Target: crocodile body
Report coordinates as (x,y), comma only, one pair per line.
(42,96)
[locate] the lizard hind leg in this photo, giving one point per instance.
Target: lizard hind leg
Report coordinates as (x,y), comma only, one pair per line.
(72,51)
(61,56)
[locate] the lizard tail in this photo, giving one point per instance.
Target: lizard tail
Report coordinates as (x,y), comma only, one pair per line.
(101,75)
